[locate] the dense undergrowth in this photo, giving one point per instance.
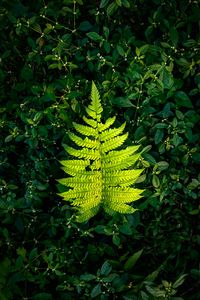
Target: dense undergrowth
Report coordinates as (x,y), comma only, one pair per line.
(144,57)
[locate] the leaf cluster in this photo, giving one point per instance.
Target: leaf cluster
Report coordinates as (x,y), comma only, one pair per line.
(145,57)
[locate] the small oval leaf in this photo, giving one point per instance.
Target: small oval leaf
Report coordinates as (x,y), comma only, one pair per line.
(132,260)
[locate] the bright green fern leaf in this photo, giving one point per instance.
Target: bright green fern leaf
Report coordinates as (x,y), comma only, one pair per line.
(100,176)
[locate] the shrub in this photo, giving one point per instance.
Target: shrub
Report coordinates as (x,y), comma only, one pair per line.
(144,55)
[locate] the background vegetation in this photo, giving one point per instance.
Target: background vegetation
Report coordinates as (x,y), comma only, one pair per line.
(144,57)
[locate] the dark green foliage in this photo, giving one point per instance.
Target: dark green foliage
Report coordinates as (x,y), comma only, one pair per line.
(144,55)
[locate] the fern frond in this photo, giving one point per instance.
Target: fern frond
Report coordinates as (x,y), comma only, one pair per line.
(111,133)
(121,195)
(73,167)
(122,178)
(116,155)
(109,122)
(76,194)
(84,153)
(72,183)
(90,122)
(87,143)
(96,103)
(100,176)
(96,165)
(91,113)
(77,164)
(85,215)
(70,171)
(121,163)
(121,208)
(114,143)
(85,130)
(95,109)
(84,178)
(88,203)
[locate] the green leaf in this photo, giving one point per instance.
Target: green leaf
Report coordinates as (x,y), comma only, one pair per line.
(87,277)
(148,32)
(130,263)
(161,125)
(173,33)
(179,114)
(106,46)
(105,269)
(58,273)
(85,26)
(27,73)
(80,2)
(196,157)
(119,2)
(194,212)
(165,45)
(111,9)
(126,3)
(122,102)
(8,138)
(42,296)
(152,276)
(120,50)
(183,62)
(144,296)
(53,66)
(146,149)
(96,291)
(143,177)
(126,229)
(167,79)
(106,32)
(177,140)
(5,266)
(116,240)
(33,254)
(166,112)
(103,3)
(155,181)
(155,292)
(158,136)
(179,281)
(193,184)
(182,100)
(190,43)
(144,49)
(37,116)
(162,165)
(21,252)
(37,28)
(94,36)
(12,186)
(149,158)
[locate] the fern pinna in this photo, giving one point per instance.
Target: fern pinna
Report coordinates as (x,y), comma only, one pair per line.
(100,176)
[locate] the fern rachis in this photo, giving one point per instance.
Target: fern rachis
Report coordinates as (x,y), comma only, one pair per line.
(100,176)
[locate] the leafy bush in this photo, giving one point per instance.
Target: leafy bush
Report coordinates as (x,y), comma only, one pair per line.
(144,55)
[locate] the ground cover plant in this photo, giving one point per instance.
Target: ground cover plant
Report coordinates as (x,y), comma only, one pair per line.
(144,58)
